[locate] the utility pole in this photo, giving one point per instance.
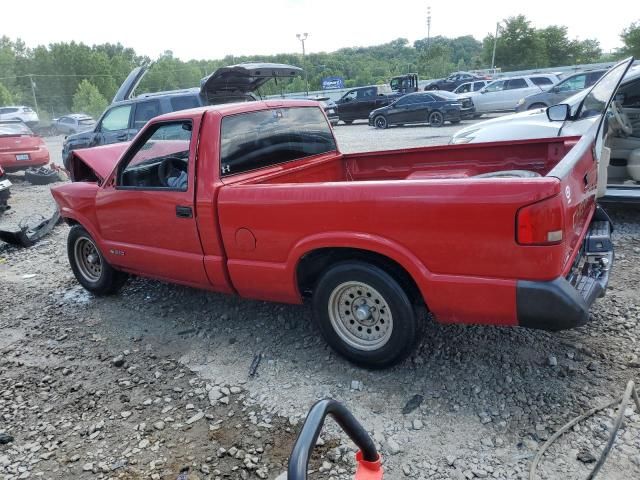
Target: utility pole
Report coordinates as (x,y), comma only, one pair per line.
(495,42)
(33,90)
(428,28)
(302,37)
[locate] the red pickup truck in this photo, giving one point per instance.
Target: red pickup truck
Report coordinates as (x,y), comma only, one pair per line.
(256,200)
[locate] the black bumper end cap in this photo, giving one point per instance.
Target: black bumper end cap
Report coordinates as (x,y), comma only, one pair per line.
(552,306)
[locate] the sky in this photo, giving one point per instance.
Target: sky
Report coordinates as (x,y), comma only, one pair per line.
(213,29)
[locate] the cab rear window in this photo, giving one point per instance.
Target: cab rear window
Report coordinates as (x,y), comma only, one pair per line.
(254,140)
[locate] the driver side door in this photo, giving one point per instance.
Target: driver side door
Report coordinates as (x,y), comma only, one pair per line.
(146,210)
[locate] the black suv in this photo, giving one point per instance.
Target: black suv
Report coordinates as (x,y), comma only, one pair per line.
(126,115)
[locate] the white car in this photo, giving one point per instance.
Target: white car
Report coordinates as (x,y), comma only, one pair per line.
(503,95)
(623,139)
(19,112)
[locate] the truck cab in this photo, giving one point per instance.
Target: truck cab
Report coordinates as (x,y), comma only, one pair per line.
(407,83)
(356,104)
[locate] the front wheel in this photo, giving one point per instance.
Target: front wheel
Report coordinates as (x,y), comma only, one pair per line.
(436,119)
(536,106)
(365,315)
(347,122)
(89,266)
(380,122)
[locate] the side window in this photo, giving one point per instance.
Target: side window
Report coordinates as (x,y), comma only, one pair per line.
(268,137)
(574,83)
(403,101)
(350,96)
(541,81)
(116,119)
(366,93)
(516,83)
(496,86)
(425,97)
(145,111)
(68,120)
(184,102)
(161,160)
(593,78)
(478,85)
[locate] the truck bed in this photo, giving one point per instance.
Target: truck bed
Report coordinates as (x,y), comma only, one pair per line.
(427,163)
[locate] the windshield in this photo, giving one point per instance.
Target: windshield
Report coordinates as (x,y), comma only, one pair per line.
(14,128)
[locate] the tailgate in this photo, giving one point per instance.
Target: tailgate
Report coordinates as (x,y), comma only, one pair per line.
(578,175)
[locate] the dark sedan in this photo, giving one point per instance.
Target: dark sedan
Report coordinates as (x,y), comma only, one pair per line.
(453,81)
(421,107)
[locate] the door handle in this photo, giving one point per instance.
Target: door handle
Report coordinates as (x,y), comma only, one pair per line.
(122,137)
(183,212)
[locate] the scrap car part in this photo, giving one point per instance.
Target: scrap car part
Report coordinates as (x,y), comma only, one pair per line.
(30,230)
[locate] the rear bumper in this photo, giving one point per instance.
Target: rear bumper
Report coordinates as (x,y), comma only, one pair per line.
(37,158)
(564,303)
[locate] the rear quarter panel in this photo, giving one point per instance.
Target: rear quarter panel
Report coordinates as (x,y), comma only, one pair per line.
(445,233)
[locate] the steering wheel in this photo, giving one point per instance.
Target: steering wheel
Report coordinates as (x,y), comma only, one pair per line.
(621,119)
(164,169)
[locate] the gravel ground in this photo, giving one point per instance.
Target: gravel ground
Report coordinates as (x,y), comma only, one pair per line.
(156,380)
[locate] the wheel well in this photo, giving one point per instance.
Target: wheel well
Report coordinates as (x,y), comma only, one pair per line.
(71,222)
(313,264)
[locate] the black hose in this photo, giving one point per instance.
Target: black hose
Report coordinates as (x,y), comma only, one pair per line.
(306,441)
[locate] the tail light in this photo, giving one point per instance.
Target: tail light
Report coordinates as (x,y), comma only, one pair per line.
(540,223)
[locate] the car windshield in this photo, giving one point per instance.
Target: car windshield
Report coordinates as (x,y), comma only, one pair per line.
(14,128)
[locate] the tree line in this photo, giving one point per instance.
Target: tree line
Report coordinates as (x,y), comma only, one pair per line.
(66,77)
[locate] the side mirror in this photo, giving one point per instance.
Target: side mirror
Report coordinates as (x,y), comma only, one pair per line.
(555,89)
(559,113)
(483,92)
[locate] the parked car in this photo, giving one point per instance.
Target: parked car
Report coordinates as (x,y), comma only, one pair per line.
(358,103)
(623,137)
(452,81)
(433,108)
(561,90)
(73,123)
(19,112)
(5,190)
(127,114)
(503,95)
(370,239)
(20,148)
(471,86)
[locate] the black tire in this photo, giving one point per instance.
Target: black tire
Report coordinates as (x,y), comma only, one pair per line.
(436,119)
(108,281)
(398,337)
(41,176)
(348,122)
(380,122)
(477,115)
(535,106)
